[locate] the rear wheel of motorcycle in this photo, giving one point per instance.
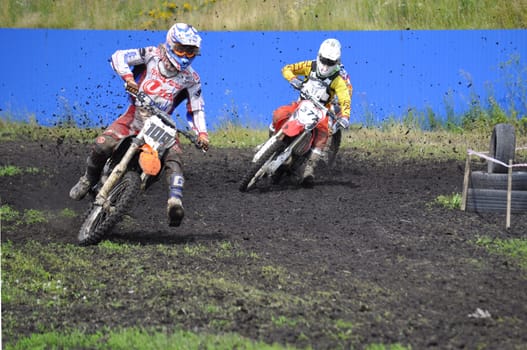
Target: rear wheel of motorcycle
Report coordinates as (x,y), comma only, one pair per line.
(255,172)
(100,220)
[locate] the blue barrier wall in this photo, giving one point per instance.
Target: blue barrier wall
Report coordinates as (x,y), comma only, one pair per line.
(60,74)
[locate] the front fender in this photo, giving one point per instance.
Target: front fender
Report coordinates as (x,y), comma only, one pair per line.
(292,128)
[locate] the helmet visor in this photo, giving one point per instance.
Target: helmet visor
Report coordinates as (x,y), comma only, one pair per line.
(327,61)
(187,51)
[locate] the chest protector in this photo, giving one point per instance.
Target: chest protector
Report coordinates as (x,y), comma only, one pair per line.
(319,87)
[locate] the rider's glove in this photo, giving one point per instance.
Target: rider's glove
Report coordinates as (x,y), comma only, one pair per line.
(132,86)
(343,122)
(203,141)
(297,83)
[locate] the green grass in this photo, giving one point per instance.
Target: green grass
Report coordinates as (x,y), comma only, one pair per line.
(68,213)
(387,347)
(29,130)
(514,248)
(10,216)
(11,170)
(46,277)
(452,201)
(140,339)
(218,15)
(396,141)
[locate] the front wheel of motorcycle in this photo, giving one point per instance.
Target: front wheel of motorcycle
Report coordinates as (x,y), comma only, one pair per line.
(256,172)
(99,220)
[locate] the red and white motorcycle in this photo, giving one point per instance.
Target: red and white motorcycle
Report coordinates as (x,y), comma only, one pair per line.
(286,150)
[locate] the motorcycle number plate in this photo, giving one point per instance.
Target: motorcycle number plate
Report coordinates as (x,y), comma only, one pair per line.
(158,133)
(308,113)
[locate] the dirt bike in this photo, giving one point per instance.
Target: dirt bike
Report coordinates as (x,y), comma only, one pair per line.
(287,149)
(134,166)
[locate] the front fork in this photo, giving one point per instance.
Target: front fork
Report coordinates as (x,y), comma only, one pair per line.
(286,154)
(116,174)
(266,145)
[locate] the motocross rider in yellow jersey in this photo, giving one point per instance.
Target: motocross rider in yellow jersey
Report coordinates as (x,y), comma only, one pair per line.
(325,71)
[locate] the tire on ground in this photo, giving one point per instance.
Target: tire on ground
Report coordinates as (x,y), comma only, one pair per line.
(484,200)
(493,181)
(502,147)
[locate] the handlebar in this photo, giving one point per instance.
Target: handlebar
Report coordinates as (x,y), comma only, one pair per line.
(149,104)
(304,95)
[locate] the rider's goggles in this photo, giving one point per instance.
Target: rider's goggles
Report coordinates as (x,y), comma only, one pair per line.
(187,51)
(327,61)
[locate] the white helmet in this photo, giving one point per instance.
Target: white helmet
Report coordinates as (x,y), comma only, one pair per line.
(328,59)
(182,45)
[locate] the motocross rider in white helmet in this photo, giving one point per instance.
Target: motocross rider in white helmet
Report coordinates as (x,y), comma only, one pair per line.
(165,74)
(325,72)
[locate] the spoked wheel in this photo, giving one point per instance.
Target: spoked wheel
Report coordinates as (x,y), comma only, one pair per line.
(99,220)
(256,171)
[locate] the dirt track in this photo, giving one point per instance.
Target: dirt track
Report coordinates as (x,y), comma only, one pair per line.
(399,268)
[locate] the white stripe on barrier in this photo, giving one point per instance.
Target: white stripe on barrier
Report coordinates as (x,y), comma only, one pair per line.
(482,155)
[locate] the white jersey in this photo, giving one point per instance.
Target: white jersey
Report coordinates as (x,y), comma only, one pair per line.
(165,91)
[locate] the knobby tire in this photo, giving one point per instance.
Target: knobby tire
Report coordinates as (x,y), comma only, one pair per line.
(253,171)
(99,222)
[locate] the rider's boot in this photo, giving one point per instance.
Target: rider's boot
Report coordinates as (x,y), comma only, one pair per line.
(86,181)
(308,176)
(324,157)
(175,211)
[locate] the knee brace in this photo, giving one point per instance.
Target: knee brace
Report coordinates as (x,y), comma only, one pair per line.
(100,152)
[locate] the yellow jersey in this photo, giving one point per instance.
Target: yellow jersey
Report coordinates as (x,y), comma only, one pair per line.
(337,87)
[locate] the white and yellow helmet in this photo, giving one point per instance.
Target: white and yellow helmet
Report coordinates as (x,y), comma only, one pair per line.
(328,58)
